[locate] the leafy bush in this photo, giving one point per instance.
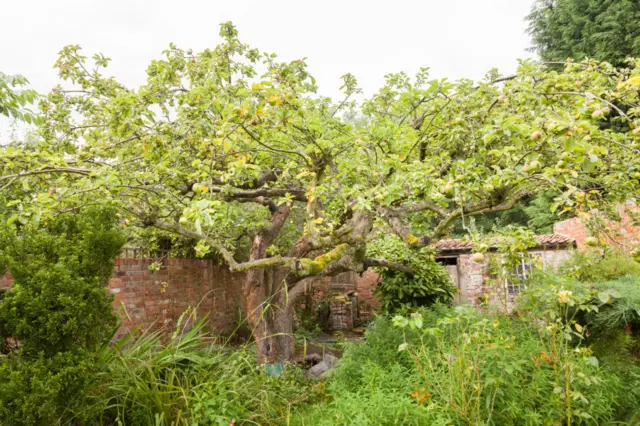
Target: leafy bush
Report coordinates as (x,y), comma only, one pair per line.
(57,312)
(46,390)
(594,266)
(58,301)
(430,282)
(614,335)
(610,324)
(620,305)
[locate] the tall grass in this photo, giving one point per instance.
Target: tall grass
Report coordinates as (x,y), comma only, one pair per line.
(187,380)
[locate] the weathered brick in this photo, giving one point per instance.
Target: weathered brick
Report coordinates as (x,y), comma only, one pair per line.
(623,235)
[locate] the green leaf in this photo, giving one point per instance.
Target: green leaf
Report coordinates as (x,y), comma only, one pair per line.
(593,361)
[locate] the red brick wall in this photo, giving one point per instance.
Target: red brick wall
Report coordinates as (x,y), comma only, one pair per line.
(146,298)
(142,297)
(624,235)
(573,228)
(5,281)
(367,302)
(343,313)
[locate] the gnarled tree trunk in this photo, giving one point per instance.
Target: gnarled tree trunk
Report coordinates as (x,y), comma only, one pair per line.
(269,310)
(270,316)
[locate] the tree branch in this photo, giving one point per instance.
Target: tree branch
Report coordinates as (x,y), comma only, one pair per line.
(48,171)
(283,151)
(387,264)
(259,182)
(422,206)
(403,231)
(591,95)
(289,262)
(263,201)
(297,194)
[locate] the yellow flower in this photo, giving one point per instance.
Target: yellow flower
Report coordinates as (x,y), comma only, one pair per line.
(564,295)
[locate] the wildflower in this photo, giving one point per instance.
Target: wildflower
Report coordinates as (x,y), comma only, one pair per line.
(545,357)
(420,395)
(564,295)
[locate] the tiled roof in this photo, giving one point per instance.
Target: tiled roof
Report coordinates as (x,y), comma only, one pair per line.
(552,240)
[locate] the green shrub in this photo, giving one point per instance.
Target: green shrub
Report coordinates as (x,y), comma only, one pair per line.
(619,306)
(373,382)
(430,283)
(614,335)
(58,313)
(39,391)
(58,301)
(493,369)
(594,266)
(617,352)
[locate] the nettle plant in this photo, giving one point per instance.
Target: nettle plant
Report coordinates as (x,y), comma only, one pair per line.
(493,369)
(230,147)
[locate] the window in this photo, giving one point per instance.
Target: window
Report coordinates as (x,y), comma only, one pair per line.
(517,279)
(447,261)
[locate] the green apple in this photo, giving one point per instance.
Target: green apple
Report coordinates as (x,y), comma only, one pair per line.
(591,241)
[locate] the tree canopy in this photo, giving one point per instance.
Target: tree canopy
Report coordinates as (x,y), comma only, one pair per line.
(231,144)
(606,30)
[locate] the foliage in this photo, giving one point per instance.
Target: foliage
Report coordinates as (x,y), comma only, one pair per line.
(429,283)
(619,354)
(595,266)
(610,327)
(45,390)
(604,30)
(187,381)
(622,308)
(458,366)
(235,151)
(371,385)
(58,300)
(12,101)
(226,132)
(534,212)
(57,313)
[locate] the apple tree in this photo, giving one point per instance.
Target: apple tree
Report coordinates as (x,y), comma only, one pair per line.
(231,145)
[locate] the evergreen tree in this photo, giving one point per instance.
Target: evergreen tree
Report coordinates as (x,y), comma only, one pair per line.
(606,30)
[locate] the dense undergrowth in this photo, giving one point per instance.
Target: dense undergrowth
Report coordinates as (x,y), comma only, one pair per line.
(569,354)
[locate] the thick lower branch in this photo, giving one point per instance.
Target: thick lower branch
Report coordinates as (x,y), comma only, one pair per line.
(231,193)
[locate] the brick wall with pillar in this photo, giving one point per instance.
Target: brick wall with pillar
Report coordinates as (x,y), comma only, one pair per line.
(145,298)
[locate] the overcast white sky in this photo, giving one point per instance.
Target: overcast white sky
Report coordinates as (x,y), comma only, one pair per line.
(455,38)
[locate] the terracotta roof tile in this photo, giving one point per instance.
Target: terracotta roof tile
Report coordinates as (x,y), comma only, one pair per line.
(541,240)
